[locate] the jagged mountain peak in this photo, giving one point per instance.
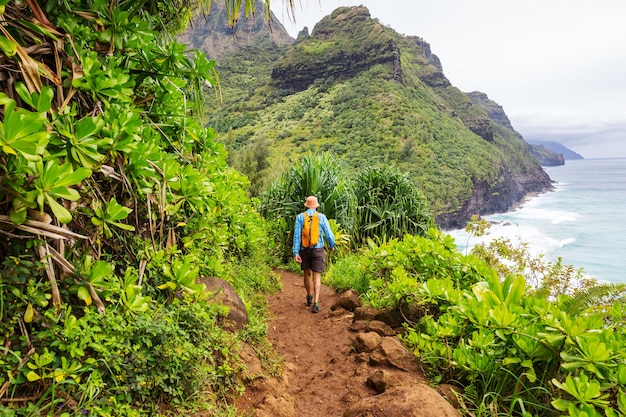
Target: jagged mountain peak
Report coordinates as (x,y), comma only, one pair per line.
(342,44)
(213,35)
(344,20)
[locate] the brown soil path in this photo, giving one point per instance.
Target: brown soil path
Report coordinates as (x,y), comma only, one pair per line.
(321,375)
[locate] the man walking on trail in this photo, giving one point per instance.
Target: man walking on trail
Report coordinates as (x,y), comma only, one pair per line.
(308,247)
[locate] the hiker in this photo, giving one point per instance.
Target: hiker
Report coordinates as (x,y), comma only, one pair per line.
(308,247)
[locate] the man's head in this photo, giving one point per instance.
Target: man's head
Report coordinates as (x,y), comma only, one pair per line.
(311,202)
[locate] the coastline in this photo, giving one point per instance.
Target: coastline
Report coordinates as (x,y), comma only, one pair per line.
(580,223)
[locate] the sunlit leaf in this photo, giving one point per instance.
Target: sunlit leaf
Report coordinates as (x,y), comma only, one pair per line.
(83,294)
(8,46)
(29,314)
(32,376)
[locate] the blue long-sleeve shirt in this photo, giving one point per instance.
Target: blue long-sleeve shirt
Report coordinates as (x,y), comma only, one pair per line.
(325,232)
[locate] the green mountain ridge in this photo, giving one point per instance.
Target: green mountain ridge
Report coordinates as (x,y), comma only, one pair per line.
(372,97)
(546,156)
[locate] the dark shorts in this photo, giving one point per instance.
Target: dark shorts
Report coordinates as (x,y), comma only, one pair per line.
(313,259)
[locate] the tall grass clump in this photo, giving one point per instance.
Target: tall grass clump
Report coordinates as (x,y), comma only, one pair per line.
(388,205)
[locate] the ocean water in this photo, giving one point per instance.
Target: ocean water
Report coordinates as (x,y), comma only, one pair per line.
(583,221)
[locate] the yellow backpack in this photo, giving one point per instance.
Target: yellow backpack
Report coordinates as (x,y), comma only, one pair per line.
(310,230)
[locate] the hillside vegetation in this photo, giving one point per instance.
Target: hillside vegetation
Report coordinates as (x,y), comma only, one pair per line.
(372,97)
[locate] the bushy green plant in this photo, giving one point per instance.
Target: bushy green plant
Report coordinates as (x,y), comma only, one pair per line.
(514,350)
(348,272)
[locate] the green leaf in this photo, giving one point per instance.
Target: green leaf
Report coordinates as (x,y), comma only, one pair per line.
(515,291)
(99,271)
(23,132)
(508,361)
(64,192)
(83,294)
(32,376)
(169,284)
(67,177)
(124,226)
(8,46)
(59,211)
(41,102)
(29,314)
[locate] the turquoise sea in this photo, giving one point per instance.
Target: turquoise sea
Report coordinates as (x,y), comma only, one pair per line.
(583,221)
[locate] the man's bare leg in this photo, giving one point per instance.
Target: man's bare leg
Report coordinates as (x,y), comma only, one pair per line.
(317,279)
(308,282)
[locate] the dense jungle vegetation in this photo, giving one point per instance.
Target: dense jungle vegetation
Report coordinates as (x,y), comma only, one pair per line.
(115,201)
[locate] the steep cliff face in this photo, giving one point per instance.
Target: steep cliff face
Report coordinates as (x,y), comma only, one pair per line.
(494,111)
(341,46)
(213,35)
(490,198)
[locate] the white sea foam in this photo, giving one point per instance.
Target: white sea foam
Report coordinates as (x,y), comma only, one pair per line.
(537,213)
(566,242)
(583,221)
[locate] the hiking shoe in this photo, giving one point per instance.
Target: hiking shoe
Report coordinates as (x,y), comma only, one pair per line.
(309,300)
(315,308)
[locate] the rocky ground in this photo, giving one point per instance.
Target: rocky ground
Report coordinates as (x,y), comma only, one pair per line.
(339,362)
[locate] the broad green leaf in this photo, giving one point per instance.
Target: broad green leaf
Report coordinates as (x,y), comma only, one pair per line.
(23,131)
(83,294)
(32,376)
(100,270)
(124,226)
(24,94)
(169,284)
(64,192)
(516,291)
(621,401)
(507,361)
(59,211)
(560,404)
(72,178)
(621,374)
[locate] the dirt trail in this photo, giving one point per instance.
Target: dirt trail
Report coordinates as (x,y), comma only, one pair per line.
(322,376)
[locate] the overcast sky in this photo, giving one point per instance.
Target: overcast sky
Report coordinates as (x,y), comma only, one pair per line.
(557,67)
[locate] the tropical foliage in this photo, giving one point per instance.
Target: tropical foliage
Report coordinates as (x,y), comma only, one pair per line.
(514,350)
(318,175)
(113,201)
(388,206)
